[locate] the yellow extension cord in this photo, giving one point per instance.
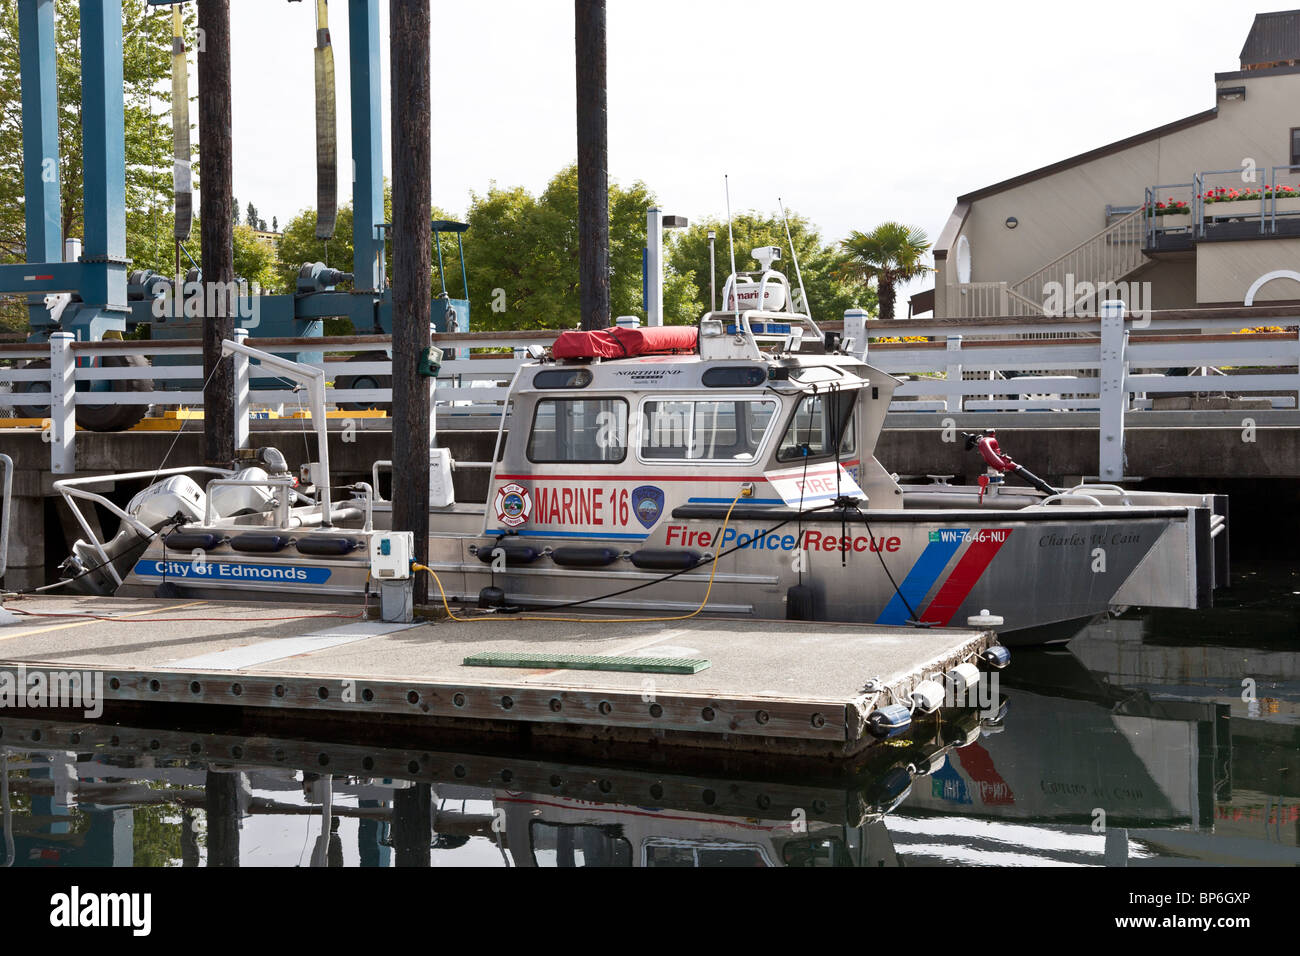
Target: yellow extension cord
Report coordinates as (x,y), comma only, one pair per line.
(587,620)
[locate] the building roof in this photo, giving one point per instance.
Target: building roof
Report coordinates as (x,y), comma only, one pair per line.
(921,303)
(1115,147)
(1274,40)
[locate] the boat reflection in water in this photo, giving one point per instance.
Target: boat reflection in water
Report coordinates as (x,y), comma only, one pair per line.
(1137,745)
(81,794)
(1177,731)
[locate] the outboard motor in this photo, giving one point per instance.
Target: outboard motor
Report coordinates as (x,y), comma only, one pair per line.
(232,501)
(175,497)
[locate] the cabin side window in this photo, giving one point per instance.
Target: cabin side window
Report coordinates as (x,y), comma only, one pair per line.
(578,431)
(723,430)
(817,421)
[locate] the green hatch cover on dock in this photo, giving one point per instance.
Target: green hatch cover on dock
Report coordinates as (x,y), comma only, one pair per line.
(590,662)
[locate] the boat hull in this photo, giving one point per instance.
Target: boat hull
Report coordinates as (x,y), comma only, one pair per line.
(1042,570)
(1039,570)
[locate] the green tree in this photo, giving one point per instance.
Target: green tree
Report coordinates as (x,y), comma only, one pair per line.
(298,243)
(255,260)
(890,254)
(829,293)
(146,65)
(156,833)
(522,253)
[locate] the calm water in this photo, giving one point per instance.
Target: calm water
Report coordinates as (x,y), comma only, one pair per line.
(1162,738)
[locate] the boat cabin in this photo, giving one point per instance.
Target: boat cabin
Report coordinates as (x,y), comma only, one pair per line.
(618,426)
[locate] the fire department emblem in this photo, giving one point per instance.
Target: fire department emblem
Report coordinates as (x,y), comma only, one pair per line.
(647,504)
(514,504)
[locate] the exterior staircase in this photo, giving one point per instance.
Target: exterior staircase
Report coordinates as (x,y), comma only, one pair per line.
(1108,257)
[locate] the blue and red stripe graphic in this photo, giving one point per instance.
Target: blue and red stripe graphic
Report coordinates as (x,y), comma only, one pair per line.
(962,581)
(920,579)
(982,547)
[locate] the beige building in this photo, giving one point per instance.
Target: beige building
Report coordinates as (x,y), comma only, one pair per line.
(1193,213)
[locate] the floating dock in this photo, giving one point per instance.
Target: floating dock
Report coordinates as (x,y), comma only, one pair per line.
(748,686)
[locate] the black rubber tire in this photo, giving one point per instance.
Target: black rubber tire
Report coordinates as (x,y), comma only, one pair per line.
(365,381)
(95,418)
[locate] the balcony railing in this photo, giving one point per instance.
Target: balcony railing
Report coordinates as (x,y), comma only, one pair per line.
(1222,204)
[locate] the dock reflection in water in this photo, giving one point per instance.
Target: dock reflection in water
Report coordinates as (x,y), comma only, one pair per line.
(1156,739)
(93,795)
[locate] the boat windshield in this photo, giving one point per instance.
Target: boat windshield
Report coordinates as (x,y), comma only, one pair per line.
(816,423)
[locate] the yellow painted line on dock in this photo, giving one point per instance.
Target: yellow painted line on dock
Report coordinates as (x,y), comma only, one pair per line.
(64,627)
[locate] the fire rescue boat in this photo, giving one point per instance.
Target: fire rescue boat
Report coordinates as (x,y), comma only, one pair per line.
(646,471)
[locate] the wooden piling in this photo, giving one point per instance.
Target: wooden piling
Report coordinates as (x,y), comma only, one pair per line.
(216,211)
(593,164)
(412,157)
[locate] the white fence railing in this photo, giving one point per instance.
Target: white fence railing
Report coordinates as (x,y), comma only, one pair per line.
(1112,367)
(968,300)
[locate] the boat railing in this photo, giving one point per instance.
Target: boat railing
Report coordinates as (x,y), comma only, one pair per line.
(386,465)
(785,330)
(1065,497)
(281,500)
(1114,491)
(74,488)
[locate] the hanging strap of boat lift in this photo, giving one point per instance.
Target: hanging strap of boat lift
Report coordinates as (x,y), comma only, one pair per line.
(182,178)
(327,173)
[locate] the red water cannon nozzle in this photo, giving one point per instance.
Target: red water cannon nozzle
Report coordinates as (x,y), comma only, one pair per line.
(993,455)
(989,450)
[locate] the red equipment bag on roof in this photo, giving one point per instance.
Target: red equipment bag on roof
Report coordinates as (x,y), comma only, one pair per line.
(619,342)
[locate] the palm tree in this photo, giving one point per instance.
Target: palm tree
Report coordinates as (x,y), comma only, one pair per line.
(891,253)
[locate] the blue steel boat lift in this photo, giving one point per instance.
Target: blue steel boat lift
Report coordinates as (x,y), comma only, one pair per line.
(97,297)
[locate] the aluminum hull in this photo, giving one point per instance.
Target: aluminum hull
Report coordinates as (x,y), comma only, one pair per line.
(1041,570)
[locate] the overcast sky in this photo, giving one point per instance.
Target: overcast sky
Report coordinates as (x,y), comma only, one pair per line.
(853,112)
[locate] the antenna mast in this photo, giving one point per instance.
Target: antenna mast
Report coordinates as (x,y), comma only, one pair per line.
(795,256)
(732,243)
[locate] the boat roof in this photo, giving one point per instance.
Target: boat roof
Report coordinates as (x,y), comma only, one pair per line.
(686,372)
